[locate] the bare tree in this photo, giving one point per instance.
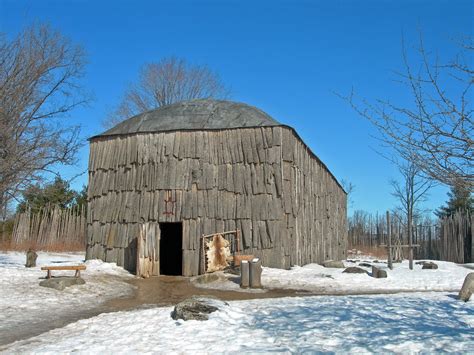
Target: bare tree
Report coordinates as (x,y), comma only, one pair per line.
(165,82)
(410,193)
(349,187)
(40,73)
(436,131)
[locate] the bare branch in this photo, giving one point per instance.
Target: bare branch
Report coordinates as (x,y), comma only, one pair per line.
(165,82)
(40,74)
(436,133)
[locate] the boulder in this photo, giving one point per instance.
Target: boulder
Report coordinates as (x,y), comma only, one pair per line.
(467,287)
(378,273)
(333,264)
(430,265)
(60,283)
(196,308)
(31,257)
(355,270)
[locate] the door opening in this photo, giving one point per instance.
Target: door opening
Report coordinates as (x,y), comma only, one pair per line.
(171,248)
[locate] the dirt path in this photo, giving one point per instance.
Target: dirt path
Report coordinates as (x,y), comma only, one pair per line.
(169,290)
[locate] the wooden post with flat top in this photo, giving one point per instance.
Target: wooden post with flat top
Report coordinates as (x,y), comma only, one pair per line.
(389,242)
(244,274)
(255,273)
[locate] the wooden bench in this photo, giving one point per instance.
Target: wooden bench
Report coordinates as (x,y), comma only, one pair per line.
(78,269)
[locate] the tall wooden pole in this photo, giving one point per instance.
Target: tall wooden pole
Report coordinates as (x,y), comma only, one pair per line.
(410,241)
(3,226)
(472,237)
(389,242)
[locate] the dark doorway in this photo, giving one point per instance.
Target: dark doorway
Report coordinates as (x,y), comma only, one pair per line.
(171,248)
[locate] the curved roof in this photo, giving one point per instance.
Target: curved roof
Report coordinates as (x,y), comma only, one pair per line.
(203,114)
(194,115)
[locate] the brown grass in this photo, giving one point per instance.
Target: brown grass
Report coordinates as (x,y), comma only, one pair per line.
(57,247)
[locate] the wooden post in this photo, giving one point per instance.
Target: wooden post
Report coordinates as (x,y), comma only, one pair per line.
(410,245)
(31,257)
(472,237)
(255,273)
(244,274)
(389,242)
(237,236)
(139,246)
(4,218)
(430,255)
(203,255)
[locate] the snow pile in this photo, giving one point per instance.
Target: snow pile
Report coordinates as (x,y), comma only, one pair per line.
(314,277)
(23,303)
(425,322)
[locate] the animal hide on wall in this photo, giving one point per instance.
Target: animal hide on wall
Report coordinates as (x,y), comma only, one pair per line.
(218,251)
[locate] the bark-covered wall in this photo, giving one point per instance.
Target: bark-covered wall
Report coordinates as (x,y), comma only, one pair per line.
(264,181)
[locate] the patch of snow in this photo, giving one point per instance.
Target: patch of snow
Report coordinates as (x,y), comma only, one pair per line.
(313,277)
(426,322)
(316,278)
(23,302)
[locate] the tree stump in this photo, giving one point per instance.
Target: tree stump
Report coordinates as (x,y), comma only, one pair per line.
(31,257)
(467,287)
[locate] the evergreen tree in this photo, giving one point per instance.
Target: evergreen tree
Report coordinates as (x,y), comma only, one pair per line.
(81,198)
(460,199)
(56,193)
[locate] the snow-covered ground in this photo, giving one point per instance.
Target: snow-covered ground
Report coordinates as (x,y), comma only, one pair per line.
(405,322)
(447,277)
(318,279)
(23,303)
(426,322)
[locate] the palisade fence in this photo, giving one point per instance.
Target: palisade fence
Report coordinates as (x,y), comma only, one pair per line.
(449,238)
(50,229)
(456,238)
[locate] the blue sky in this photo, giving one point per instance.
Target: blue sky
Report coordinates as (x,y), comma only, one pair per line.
(285,57)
